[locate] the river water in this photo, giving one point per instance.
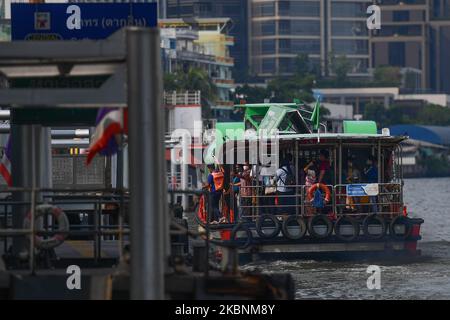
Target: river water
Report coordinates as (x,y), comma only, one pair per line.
(426,278)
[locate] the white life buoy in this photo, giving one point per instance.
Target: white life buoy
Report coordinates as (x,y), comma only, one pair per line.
(63,226)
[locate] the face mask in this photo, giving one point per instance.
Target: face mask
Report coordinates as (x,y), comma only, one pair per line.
(246,167)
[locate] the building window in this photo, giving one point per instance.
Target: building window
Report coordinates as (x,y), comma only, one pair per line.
(284,27)
(284,46)
(264,28)
(342,46)
(299,27)
(306,28)
(299,8)
(397,54)
(268,46)
(203,9)
(268,65)
(415,30)
(349,28)
(310,46)
(400,15)
(265,9)
(286,65)
(349,9)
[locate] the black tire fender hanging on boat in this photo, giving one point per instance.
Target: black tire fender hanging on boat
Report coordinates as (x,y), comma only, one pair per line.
(346,220)
(368,220)
(320,219)
(402,221)
(242,227)
(260,225)
(298,222)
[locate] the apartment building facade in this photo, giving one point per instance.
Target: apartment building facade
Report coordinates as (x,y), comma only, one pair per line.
(415,34)
(281,29)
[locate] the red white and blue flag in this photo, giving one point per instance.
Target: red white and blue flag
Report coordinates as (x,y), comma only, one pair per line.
(5,164)
(110,124)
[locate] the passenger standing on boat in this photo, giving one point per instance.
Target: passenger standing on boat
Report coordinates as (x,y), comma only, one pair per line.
(310,174)
(371,176)
(215,179)
(324,168)
(285,180)
(309,181)
(353,176)
(246,190)
(236,184)
(268,196)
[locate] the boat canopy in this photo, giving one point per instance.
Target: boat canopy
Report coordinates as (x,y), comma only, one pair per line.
(285,117)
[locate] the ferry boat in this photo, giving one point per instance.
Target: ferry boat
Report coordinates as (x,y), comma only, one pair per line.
(351,215)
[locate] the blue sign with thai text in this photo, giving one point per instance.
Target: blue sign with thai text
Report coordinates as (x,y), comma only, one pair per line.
(76,21)
(356,190)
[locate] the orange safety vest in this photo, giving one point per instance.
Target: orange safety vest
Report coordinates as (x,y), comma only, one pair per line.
(219,180)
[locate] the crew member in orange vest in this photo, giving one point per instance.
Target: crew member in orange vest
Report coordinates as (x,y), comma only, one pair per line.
(215,186)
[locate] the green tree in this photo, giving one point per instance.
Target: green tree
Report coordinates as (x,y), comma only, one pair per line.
(433,114)
(191,80)
(303,65)
(375,112)
(252,94)
(288,89)
(387,76)
(340,66)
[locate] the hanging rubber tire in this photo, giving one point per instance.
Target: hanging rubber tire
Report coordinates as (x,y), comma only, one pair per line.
(366,224)
(261,226)
(242,227)
(349,221)
(400,220)
(316,221)
(298,223)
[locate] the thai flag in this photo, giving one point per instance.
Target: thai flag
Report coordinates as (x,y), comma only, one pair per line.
(110,123)
(5,164)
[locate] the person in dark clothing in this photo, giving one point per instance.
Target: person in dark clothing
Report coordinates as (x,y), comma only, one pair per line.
(371,176)
(371,171)
(215,195)
(324,168)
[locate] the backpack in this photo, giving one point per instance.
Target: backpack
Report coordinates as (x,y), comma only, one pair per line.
(289,180)
(317,200)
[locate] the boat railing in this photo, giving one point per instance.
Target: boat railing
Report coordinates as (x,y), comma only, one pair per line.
(252,201)
(387,201)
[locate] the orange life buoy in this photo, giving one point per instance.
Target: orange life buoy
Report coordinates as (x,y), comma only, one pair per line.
(201,213)
(322,187)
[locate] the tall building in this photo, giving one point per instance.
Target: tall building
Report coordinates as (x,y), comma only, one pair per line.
(236,10)
(415,34)
(281,29)
(440,51)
